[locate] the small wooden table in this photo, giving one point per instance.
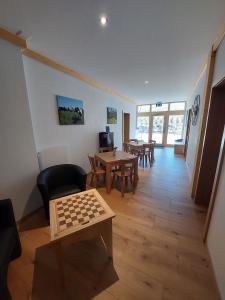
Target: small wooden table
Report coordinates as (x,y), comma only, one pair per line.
(109,160)
(80,217)
(139,146)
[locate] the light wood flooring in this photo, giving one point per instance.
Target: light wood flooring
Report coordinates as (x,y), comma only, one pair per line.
(158,249)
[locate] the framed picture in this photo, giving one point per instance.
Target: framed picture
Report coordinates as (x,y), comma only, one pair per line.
(111,115)
(71,111)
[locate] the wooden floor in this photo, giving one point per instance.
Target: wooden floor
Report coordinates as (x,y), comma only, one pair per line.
(158,250)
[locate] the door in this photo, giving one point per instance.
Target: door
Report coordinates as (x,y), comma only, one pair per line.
(158,129)
(126,127)
(174,128)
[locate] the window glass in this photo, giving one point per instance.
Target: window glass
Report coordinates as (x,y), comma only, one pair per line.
(163,107)
(143,108)
(142,128)
(175,128)
(177,106)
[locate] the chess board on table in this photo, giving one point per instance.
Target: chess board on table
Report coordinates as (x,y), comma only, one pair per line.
(74,212)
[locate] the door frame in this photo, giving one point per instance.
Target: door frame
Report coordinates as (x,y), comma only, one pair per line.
(166,115)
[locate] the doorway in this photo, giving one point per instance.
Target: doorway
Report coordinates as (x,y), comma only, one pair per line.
(126,127)
(212,143)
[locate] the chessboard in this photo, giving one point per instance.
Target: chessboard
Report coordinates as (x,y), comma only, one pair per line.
(78,209)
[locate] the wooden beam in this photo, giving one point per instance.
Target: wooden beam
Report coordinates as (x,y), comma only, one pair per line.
(219,38)
(203,121)
(13,38)
(57,66)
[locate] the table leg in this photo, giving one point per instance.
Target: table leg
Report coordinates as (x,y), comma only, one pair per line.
(108,178)
(106,234)
(59,254)
(135,172)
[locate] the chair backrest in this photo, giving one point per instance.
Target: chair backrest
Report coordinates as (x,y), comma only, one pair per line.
(105,149)
(92,163)
(125,147)
(133,140)
(124,162)
(152,142)
(58,175)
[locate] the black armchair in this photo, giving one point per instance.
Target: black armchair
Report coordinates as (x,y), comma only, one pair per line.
(59,181)
(10,247)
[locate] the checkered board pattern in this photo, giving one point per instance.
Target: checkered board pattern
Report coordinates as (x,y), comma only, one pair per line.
(77,210)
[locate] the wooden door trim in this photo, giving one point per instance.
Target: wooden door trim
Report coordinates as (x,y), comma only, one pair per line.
(203,121)
(187,132)
(215,187)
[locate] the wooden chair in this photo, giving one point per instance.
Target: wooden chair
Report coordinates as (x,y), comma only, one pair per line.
(125,147)
(95,170)
(105,149)
(133,140)
(125,171)
(153,143)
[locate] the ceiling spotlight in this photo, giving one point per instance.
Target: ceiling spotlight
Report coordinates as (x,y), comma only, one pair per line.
(103,20)
(146,82)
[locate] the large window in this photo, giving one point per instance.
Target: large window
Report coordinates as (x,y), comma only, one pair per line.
(143,128)
(163,107)
(163,123)
(175,128)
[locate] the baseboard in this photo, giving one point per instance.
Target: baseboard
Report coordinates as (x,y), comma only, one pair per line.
(213,271)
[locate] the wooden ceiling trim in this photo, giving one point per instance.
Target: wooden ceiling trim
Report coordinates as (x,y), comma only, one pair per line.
(13,38)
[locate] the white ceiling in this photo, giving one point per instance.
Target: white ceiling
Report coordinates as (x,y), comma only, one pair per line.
(163,41)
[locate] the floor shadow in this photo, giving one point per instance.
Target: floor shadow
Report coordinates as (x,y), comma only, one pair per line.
(87,272)
(33,221)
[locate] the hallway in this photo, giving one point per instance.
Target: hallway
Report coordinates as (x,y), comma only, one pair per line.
(158,233)
(158,250)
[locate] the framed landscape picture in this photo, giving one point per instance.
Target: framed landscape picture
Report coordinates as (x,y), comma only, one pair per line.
(111,115)
(71,111)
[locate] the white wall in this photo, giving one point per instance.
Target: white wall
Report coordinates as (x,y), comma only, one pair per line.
(216,236)
(194,130)
(43,84)
(18,161)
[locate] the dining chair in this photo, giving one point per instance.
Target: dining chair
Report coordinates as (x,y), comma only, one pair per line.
(125,171)
(105,149)
(95,170)
(153,143)
(125,147)
(133,140)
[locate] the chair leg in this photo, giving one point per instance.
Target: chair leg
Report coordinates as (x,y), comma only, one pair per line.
(113,179)
(122,186)
(92,179)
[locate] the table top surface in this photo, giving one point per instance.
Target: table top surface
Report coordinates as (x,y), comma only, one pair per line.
(139,144)
(77,211)
(108,157)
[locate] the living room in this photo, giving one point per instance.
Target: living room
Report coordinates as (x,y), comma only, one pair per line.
(79,51)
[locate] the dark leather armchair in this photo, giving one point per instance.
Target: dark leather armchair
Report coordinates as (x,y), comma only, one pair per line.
(59,181)
(10,247)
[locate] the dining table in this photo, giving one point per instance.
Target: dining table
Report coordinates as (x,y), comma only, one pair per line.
(113,158)
(140,146)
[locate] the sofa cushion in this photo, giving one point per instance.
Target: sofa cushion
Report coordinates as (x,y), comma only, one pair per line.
(64,190)
(7,241)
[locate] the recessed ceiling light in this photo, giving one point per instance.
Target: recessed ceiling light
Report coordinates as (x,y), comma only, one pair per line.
(103,20)
(146,82)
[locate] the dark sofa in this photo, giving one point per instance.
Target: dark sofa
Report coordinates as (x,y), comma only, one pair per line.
(59,181)
(10,247)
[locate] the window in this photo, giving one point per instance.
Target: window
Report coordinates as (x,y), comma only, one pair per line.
(143,128)
(177,106)
(143,108)
(175,128)
(163,107)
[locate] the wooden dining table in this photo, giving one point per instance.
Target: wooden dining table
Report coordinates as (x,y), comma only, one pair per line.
(139,146)
(109,159)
